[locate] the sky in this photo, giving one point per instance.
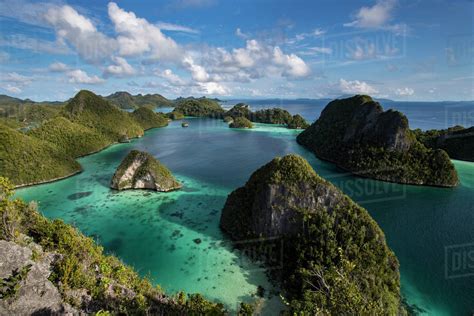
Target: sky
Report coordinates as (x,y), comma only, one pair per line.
(420,50)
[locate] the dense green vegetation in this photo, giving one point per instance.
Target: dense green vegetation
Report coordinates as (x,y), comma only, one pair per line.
(335,258)
(112,286)
(298,122)
(92,111)
(175,115)
(457,141)
(358,136)
(148,171)
(56,135)
(26,159)
(241,122)
(202,107)
(73,139)
(267,116)
(147,118)
(125,100)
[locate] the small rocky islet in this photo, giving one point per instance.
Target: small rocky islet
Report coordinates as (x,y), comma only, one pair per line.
(140,170)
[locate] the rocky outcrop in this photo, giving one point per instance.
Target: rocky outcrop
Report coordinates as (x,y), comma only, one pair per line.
(359,136)
(25,288)
(314,225)
(240,122)
(140,170)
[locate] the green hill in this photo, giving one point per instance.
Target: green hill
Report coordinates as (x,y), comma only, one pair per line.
(25,159)
(125,100)
(147,118)
(201,107)
(95,112)
(74,139)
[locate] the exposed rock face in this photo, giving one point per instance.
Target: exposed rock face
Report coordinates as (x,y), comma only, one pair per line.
(140,170)
(275,199)
(286,200)
(358,136)
(34,292)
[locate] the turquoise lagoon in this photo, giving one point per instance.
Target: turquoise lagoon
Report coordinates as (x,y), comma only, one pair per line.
(174,237)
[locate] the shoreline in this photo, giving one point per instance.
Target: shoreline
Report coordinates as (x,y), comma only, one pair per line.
(21,186)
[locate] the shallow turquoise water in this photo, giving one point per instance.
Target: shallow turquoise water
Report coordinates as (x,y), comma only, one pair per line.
(155,232)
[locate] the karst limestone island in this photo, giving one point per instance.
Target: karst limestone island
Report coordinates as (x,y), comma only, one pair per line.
(140,170)
(359,136)
(86,124)
(335,260)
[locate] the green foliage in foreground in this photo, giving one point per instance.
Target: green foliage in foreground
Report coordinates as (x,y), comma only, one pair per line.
(113,286)
(241,122)
(201,107)
(95,112)
(73,139)
(147,118)
(26,159)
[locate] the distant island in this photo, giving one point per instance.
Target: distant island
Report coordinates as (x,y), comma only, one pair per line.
(335,260)
(359,136)
(125,100)
(457,141)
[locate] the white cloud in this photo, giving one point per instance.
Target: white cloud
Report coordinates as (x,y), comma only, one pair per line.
(214,88)
(171,77)
(240,34)
(403,92)
(17,78)
(78,30)
(176,28)
(119,68)
(318,32)
(321,50)
(293,65)
(12,89)
(80,76)
(137,36)
(356,87)
(58,67)
(375,16)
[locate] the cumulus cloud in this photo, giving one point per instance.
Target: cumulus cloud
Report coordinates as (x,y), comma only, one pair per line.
(79,31)
(293,66)
(119,68)
(403,92)
(80,76)
(171,77)
(58,67)
(375,16)
(356,87)
(137,36)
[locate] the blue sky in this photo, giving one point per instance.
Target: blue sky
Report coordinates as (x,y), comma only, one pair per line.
(398,49)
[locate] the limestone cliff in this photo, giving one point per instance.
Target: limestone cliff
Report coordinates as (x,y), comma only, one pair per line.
(140,170)
(359,136)
(333,258)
